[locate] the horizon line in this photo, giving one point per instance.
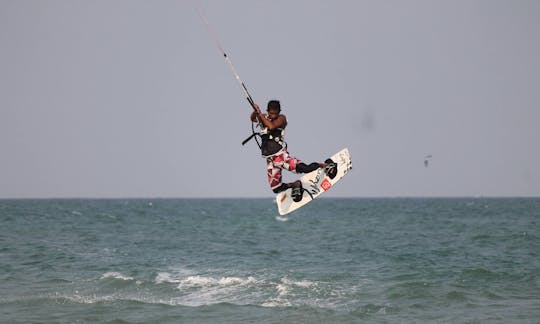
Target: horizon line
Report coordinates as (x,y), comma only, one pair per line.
(271,197)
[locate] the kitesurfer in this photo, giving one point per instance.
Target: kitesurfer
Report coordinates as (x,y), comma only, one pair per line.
(274,149)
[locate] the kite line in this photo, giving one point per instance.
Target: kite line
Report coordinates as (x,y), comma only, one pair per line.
(227,59)
(236,75)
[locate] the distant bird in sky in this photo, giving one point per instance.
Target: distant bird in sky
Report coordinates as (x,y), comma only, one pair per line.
(426,160)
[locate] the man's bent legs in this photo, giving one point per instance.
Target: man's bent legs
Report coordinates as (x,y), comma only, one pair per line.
(275,164)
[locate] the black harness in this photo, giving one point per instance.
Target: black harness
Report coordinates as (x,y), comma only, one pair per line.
(269,142)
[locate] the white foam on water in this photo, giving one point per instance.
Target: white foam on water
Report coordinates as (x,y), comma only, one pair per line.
(276,302)
(115,275)
(202,281)
(92,299)
(166,277)
(301,283)
(291,292)
(95,298)
(174,276)
(199,289)
(285,295)
(282,289)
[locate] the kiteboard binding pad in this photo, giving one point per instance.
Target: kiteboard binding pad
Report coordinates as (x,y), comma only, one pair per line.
(315,183)
(297,193)
(331,168)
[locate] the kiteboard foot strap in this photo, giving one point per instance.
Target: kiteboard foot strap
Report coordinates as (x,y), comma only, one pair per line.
(331,168)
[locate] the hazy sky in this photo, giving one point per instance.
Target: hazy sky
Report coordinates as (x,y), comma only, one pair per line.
(130,98)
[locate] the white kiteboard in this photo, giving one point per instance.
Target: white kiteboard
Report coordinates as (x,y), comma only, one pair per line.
(315,183)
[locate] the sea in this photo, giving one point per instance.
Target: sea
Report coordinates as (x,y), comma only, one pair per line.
(336,260)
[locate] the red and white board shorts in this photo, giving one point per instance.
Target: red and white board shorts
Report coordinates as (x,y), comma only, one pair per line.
(276,163)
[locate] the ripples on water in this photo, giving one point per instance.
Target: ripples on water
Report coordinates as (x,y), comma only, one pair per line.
(336,260)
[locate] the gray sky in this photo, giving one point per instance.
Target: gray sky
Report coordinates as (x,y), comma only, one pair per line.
(131,98)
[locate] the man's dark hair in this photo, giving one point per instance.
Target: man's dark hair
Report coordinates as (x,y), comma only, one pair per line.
(274,105)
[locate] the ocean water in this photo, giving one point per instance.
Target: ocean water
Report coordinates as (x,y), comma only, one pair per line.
(468,260)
